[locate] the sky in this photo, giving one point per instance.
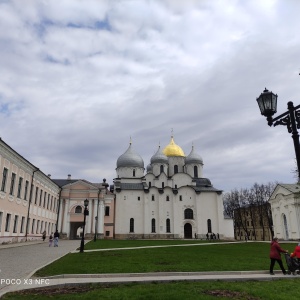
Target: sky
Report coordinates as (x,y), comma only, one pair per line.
(79,79)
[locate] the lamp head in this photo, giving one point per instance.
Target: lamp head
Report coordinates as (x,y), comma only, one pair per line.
(267,102)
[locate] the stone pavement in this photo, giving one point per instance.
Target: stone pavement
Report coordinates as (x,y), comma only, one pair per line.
(20,263)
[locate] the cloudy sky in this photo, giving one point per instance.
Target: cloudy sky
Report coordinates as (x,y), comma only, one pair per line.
(79,78)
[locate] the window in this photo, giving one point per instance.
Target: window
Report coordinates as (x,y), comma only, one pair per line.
(196,171)
(48,201)
(152,197)
(139,198)
(133,173)
(149,184)
(180,198)
(7,222)
(37,226)
(175,186)
(4,180)
(161,168)
(22,224)
(26,189)
(107,233)
(12,183)
(41,197)
(188,214)
(32,225)
(209,225)
(36,195)
(162,185)
(175,169)
(106,210)
(15,223)
(131,225)
(42,224)
(45,197)
(20,187)
(1,216)
(168,226)
(78,210)
(153,225)
(167,198)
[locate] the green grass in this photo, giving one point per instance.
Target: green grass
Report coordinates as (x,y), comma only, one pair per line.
(248,290)
(224,257)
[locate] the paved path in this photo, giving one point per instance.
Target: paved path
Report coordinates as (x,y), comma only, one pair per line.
(21,262)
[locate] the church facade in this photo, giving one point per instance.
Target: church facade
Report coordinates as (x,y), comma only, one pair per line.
(172,200)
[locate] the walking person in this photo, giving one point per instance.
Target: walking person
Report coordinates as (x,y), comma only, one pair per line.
(275,252)
(56,236)
(50,239)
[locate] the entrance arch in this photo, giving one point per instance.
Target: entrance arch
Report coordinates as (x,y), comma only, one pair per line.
(188,232)
(74,232)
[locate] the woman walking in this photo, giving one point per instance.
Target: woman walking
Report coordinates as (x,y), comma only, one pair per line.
(275,256)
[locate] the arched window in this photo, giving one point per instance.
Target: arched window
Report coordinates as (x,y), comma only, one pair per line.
(167,198)
(175,169)
(131,225)
(195,171)
(78,210)
(161,168)
(153,225)
(188,214)
(133,173)
(209,226)
(168,225)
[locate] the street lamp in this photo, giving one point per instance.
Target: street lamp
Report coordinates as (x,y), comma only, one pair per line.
(267,102)
(85,213)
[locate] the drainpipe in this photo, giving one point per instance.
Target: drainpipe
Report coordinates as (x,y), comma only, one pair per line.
(58,210)
(30,196)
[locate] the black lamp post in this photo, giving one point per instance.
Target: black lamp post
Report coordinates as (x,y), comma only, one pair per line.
(96,223)
(85,213)
(267,102)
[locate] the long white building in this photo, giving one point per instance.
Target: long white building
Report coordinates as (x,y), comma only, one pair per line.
(172,200)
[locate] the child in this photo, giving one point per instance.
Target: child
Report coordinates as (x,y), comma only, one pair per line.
(50,240)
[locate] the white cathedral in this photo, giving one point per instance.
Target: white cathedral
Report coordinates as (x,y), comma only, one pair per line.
(172,200)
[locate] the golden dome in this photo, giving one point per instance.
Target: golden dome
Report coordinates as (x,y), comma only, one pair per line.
(172,149)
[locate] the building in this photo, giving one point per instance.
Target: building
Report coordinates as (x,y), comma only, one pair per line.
(28,198)
(99,222)
(285,206)
(172,200)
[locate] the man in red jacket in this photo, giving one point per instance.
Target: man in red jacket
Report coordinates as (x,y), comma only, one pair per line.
(275,256)
(296,252)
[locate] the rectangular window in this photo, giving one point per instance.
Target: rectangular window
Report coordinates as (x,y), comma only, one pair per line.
(152,197)
(1,216)
(12,183)
(107,233)
(41,197)
(139,198)
(42,223)
(16,223)
(22,224)
(20,187)
(32,226)
(7,223)
(37,226)
(48,201)
(26,189)
(106,210)
(36,195)
(45,196)
(180,198)
(4,180)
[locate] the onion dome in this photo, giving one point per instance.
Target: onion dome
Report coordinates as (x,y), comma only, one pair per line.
(172,149)
(193,158)
(130,159)
(159,157)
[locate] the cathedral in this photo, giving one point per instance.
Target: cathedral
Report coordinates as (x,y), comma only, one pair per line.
(172,200)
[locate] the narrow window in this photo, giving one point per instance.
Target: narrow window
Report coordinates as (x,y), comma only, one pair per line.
(152,197)
(188,214)
(22,225)
(168,226)
(175,169)
(133,173)
(1,216)
(12,183)
(167,198)
(195,171)
(209,225)
(42,225)
(149,184)
(180,198)
(48,202)
(36,195)
(15,223)
(139,198)
(26,189)
(162,185)
(37,226)
(153,225)
(7,223)
(106,210)
(41,197)
(45,197)
(175,186)
(19,187)
(32,226)
(4,180)
(161,168)
(131,225)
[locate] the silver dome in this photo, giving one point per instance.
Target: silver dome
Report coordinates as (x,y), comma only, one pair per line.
(193,158)
(159,157)
(149,168)
(130,159)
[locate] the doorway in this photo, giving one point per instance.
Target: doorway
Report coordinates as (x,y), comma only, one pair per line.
(188,232)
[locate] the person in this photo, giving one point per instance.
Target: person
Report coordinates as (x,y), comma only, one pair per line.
(275,251)
(56,236)
(44,236)
(296,252)
(50,239)
(207,237)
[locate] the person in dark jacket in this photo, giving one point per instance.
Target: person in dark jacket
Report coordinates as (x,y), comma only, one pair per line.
(56,237)
(275,256)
